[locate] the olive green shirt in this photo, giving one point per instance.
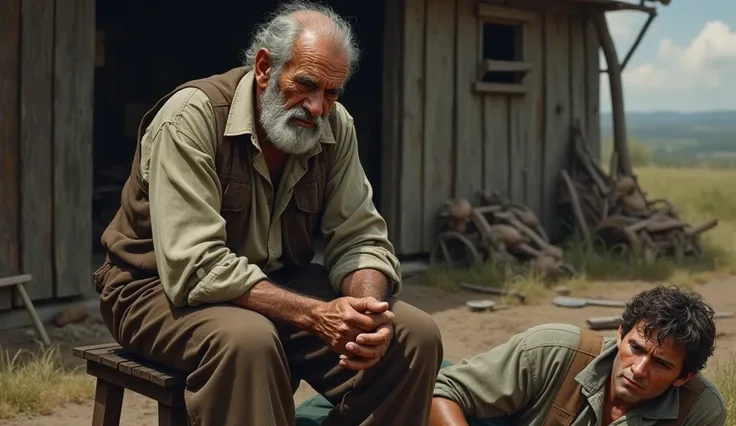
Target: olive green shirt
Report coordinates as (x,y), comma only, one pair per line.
(522,377)
(178,162)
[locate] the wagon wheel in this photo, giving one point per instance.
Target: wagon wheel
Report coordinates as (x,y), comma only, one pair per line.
(612,234)
(649,249)
(453,249)
(679,244)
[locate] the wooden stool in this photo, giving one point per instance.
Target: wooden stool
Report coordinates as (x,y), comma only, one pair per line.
(117,369)
(18,281)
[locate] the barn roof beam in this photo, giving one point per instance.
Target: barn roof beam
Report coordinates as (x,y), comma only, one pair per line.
(614,5)
(638,40)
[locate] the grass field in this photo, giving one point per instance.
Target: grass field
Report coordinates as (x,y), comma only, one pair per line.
(724,377)
(700,194)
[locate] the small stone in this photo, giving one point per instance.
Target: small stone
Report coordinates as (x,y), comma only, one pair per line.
(562,291)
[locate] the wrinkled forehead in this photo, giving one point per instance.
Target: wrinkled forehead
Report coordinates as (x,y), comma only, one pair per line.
(320,56)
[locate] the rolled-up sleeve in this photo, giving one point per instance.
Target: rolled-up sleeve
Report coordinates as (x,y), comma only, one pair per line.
(195,265)
(355,232)
(493,384)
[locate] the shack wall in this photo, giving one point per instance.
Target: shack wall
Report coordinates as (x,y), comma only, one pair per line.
(47,52)
(460,134)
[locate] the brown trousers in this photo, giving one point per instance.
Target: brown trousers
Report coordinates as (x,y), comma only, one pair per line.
(243,368)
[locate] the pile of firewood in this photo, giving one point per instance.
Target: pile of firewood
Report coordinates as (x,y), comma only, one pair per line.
(496,229)
(612,211)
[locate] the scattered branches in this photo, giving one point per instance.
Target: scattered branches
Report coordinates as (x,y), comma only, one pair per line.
(613,211)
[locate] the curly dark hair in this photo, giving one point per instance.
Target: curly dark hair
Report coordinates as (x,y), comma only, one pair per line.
(677,314)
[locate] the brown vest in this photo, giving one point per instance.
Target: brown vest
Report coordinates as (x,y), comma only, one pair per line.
(128,238)
(570,399)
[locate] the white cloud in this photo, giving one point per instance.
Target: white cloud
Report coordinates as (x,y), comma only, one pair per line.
(698,75)
(621,24)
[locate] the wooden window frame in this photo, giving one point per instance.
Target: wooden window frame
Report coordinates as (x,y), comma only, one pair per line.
(487,13)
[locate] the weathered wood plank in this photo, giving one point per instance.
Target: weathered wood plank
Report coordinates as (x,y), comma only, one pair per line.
(593,82)
(81,351)
(578,69)
(390,144)
(412,127)
(517,147)
(482,87)
(534,127)
(496,143)
(15,280)
(141,385)
(9,160)
(468,106)
(559,7)
(557,113)
(36,147)
(73,106)
(502,14)
(438,118)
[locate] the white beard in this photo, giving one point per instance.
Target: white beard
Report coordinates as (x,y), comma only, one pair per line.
(275,120)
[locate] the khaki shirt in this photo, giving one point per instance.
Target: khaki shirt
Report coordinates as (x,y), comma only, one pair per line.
(178,162)
(522,376)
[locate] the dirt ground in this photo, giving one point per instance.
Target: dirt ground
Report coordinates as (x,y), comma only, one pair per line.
(465,333)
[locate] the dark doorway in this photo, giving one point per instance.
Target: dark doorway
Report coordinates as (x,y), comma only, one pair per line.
(146,48)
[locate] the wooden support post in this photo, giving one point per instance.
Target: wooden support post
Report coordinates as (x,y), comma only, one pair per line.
(18,282)
(617,93)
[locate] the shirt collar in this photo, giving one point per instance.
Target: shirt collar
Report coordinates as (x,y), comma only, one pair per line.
(241,118)
(594,378)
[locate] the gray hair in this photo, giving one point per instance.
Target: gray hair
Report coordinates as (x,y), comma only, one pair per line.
(280,32)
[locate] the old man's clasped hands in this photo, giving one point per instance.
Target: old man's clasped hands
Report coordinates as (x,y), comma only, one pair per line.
(359,329)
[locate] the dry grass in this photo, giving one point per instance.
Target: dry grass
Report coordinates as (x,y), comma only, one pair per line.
(723,374)
(699,195)
(34,382)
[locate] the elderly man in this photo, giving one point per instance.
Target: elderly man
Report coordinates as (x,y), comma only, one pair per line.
(555,374)
(209,267)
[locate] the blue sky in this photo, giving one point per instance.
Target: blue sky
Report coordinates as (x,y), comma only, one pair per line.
(686,62)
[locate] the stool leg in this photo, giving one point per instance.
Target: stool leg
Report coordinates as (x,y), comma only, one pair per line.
(32,312)
(108,404)
(172,416)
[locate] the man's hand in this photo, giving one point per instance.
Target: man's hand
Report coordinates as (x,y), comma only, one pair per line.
(341,321)
(368,348)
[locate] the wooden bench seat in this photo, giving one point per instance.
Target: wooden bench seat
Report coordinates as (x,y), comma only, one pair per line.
(117,369)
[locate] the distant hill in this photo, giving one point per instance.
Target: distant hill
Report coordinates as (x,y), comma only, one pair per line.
(681,138)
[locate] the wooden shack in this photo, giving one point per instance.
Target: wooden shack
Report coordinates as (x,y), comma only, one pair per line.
(452,97)
(486,94)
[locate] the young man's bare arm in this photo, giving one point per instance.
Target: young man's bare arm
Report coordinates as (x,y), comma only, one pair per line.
(446,413)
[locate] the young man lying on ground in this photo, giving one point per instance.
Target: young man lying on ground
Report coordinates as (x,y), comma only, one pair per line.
(557,374)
